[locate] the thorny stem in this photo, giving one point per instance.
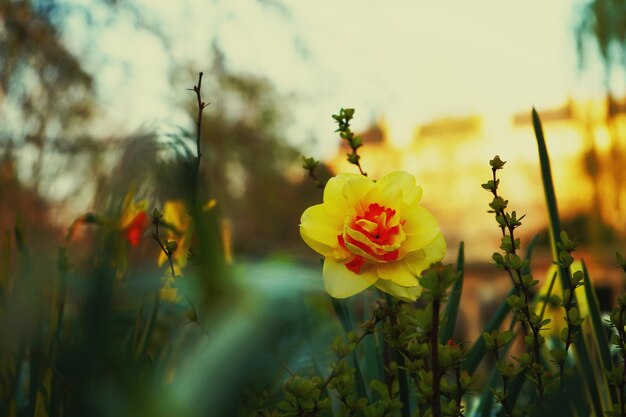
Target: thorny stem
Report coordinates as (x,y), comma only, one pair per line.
(525,291)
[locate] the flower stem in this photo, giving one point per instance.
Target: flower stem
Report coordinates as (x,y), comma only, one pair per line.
(434,349)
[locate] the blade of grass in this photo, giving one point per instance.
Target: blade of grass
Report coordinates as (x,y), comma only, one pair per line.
(347,321)
(602,342)
(550,196)
(485,403)
(4,268)
(584,358)
(452,308)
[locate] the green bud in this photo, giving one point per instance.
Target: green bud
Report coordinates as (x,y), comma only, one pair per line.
(573,315)
(498,204)
(309,163)
(577,279)
(496,163)
(171,246)
(156,215)
(353,158)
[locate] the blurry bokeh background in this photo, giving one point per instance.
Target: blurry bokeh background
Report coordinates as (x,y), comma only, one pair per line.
(93,98)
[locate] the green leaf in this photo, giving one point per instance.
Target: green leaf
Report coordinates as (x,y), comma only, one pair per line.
(349,325)
(548,189)
(598,328)
(380,388)
(585,359)
(478,350)
(452,308)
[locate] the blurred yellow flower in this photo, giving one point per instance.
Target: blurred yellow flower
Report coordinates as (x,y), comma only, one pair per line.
(373,233)
(177,228)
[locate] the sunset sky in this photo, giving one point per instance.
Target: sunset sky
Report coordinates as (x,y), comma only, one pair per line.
(407,61)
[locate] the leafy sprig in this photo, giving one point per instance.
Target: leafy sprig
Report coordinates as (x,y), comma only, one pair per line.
(518,270)
(355,142)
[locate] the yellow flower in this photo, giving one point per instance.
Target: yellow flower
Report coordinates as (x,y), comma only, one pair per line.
(177,228)
(373,233)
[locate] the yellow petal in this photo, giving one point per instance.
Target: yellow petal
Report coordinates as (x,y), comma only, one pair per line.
(403,293)
(389,196)
(411,194)
(319,233)
(422,259)
(334,199)
(421,228)
(340,282)
(436,250)
(354,192)
(175,213)
(398,273)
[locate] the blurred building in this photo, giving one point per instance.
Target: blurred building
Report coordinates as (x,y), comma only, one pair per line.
(449,157)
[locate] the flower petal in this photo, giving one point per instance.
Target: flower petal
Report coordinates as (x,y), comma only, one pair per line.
(321,234)
(436,250)
(354,191)
(421,228)
(409,294)
(335,201)
(340,282)
(411,194)
(422,259)
(397,272)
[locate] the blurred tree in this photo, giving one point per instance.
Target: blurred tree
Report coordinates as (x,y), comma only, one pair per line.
(47,93)
(254,174)
(603,25)
(44,88)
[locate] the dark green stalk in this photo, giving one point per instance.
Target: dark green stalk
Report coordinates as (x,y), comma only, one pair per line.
(505,385)
(434,350)
(201,106)
(459,389)
(150,328)
(452,306)
(393,354)
(622,381)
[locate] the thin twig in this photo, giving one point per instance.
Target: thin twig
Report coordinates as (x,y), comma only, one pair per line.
(201,106)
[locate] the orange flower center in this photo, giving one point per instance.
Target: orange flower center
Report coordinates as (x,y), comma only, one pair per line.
(375,233)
